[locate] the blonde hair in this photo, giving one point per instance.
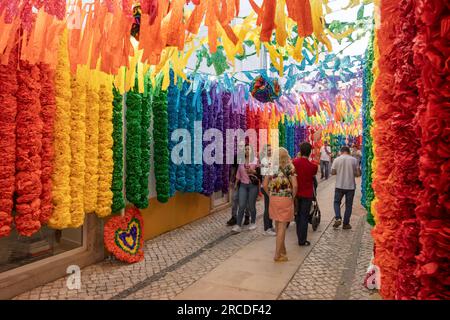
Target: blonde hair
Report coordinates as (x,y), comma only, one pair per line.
(284,157)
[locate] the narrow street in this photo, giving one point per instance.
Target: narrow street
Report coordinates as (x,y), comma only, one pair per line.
(204,260)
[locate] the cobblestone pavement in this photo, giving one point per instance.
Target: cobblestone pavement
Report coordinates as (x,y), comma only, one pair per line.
(336,266)
(177,259)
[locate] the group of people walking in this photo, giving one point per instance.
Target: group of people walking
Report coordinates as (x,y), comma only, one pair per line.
(289,189)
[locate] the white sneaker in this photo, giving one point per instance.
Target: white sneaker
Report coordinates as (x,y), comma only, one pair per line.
(236,229)
(270,232)
(252,226)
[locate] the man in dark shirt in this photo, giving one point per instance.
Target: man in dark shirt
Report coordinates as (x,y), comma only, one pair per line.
(306,171)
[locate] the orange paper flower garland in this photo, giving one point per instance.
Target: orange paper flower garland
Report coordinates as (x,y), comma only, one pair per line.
(385,142)
(28,150)
(432,50)
(48,108)
(8,101)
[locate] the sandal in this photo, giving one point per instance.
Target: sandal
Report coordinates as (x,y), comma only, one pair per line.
(306,243)
(281,259)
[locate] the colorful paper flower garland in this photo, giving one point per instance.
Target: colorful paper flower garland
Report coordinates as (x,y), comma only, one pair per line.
(161,144)
(173,96)
(182,124)
(118,202)
(28,150)
(61,216)
(78,149)
(105,145)
(8,100)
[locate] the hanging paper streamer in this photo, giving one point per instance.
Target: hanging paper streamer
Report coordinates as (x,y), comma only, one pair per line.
(190,168)
(208,122)
(117,178)
(226,103)
(218,116)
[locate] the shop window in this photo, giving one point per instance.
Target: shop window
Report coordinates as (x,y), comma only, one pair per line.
(17,250)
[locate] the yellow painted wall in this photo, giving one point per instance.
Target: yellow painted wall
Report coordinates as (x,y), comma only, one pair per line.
(181,209)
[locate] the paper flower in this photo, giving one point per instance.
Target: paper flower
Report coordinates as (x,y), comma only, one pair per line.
(78,149)
(8,100)
(190,168)
(161,144)
(48,108)
(118,202)
(182,124)
(145,150)
(105,152)
(28,150)
(173,96)
(61,217)
(91,158)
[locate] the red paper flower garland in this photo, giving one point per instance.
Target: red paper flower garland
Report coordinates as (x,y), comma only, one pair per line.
(385,142)
(8,101)
(432,50)
(48,110)
(404,125)
(28,150)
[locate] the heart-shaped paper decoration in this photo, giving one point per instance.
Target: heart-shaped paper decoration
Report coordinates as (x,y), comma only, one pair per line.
(123,236)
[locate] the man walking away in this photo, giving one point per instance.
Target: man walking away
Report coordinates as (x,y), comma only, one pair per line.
(306,170)
(346,168)
(325,158)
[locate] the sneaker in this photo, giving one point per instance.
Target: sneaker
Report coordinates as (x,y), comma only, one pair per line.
(337,223)
(236,229)
(247,220)
(270,232)
(231,222)
(252,226)
(346,226)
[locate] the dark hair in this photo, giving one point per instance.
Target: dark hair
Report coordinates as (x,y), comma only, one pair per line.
(345,149)
(305,149)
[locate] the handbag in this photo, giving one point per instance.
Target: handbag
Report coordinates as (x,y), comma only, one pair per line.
(314,213)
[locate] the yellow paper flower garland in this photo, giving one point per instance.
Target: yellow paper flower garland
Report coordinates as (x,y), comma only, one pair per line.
(91,155)
(77,145)
(61,217)
(105,144)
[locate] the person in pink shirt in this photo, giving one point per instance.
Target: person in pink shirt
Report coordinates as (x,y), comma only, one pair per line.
(247,177)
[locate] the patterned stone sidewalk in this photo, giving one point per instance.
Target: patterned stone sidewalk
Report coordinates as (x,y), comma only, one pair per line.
(336,267)
(177,259)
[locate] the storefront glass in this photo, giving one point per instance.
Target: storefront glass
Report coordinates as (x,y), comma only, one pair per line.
(17,250)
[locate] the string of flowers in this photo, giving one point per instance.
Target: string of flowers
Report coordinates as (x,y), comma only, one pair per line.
(161,144)
(367,147)
(28,150)
(190,168)
(386,140)
(145,148)
(8,90)
(48,108)
(182,124)
(198,167)
(406,159)
(282,132)
(431,56)
(218,124)
(118,202)
(105,152)
(78,149)
(133,147)
(208,122)
(91,159)
(172,100)
(226,103)
(61,217)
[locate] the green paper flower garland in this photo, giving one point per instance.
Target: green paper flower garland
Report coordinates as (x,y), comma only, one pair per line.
(161,144)
(117,181)
(133,147)
(145,149)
